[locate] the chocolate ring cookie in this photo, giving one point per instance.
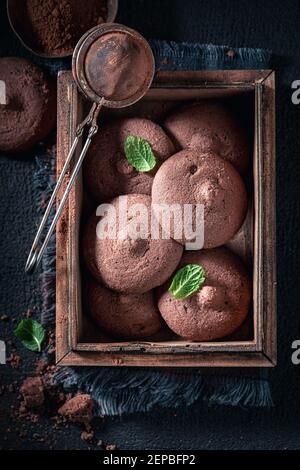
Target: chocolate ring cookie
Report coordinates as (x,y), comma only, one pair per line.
(192,177)
(107,171)
(210,126)
(28,109)
(123,315)
(219,307)
(126,261)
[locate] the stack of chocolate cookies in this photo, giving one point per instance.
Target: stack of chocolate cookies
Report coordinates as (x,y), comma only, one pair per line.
(201,154)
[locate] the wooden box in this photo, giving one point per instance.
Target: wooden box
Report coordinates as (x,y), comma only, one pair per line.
(253,92)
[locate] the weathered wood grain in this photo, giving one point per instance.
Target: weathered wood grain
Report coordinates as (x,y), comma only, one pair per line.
(256,238)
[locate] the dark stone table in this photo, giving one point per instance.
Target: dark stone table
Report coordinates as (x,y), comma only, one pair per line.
(270,24)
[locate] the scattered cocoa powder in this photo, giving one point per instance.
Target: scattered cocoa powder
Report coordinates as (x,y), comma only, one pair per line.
(39,396)
(24,414)
(15,360)
(87,436)
(111,447)
(32,390)
(40,366)
(78,409)
(57,25)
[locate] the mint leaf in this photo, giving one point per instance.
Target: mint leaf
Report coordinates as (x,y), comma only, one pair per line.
(31,333)
(187,281)
(139,153)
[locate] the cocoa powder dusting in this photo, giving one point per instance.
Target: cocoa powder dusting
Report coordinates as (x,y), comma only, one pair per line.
(57,25)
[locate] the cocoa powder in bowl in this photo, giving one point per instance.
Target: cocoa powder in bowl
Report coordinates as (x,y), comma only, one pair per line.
(57,25)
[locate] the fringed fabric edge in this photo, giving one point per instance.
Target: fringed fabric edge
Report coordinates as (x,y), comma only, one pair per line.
(119,391)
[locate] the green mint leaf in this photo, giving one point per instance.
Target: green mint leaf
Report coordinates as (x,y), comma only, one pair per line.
(187,281)
(31,333)
(139,153)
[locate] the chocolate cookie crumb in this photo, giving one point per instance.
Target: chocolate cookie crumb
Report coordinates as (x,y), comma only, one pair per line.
(32,390)
(78,409)
(111,447)
(87,436)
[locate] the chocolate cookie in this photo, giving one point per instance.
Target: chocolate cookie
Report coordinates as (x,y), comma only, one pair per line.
(125,264)
(29,112)
(107,171)
(210,126)
(219,307)
(123,315)
(192,177)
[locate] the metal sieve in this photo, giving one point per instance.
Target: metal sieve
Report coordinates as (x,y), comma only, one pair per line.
(113,66)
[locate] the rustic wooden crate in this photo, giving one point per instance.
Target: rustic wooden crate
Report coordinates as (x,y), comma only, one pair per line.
(256,239)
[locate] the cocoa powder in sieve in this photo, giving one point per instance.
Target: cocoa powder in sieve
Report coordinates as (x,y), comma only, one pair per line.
(57,25)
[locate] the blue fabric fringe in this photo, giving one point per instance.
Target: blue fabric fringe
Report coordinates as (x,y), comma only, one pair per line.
(192,56)
(124,391)
(127,390)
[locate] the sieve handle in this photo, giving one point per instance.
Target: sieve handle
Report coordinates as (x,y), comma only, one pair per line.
(37,250)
